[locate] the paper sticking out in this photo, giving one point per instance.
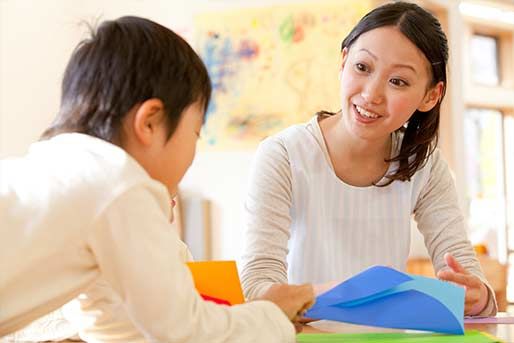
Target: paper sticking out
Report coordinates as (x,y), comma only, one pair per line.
(217,281)
(384,297)
(501,318)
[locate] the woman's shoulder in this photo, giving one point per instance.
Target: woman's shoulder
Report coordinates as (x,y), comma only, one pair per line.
(293,133)
(282,145)
(434,171)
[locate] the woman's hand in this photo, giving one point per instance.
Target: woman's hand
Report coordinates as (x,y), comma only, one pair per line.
(476,292)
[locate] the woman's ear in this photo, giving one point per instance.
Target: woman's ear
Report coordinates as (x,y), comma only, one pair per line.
(147,119)
(432,97)
(344,57)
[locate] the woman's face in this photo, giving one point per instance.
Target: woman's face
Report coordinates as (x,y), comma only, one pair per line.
(384,80)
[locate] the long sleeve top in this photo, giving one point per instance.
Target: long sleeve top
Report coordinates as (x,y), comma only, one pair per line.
(76,210)
(303,224)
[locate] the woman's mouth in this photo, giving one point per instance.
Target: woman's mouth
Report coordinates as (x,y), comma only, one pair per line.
(365,116)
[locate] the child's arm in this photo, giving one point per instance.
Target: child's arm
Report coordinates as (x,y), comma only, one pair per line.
(139,256)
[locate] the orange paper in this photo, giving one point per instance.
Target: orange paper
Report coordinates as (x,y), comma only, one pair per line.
(217,279)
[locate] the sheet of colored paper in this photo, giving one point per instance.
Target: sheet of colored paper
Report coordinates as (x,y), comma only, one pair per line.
(489,320)
(384,297)
(217,279)
(471,336)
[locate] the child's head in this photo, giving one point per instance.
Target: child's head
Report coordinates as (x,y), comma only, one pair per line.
(398,53)
(133,83)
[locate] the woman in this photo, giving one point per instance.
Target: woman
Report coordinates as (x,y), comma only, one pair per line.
(334,196)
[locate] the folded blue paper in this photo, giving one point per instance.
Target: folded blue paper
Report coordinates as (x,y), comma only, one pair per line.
(382,296)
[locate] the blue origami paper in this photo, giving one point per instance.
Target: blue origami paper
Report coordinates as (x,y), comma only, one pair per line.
(382,296)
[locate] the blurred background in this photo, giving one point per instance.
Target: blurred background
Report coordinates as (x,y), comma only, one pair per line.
(274,63)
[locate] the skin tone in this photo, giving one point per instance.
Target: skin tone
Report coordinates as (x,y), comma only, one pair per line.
(144,137)
(476,292)
(380,89)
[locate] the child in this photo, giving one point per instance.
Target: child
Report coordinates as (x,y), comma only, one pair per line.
(334,196)
(90,204)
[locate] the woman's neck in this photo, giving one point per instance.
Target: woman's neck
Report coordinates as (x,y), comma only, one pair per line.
(357,161)
(350,147)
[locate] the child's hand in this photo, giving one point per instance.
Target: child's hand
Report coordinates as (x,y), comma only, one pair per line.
(294,300)
(476,292)
(323,287)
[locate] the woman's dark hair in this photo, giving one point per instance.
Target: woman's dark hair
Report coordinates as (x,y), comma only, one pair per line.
(424,30)
(126,62)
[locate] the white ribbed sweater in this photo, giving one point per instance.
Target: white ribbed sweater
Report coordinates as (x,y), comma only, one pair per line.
(305,225)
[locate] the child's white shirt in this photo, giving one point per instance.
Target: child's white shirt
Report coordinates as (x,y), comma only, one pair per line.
(77,210)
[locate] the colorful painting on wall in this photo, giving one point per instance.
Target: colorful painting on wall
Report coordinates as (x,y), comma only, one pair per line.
(271,67)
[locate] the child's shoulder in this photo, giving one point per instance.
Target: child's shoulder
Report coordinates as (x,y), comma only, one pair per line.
(88,164)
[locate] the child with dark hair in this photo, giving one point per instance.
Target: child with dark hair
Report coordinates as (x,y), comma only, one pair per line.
(90,204)
(336,195)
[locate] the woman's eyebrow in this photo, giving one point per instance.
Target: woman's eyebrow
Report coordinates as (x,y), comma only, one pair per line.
(396,65)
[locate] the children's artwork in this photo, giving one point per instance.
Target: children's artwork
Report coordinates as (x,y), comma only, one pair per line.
(217,281)
(382,296)
(471,336)
(271,67)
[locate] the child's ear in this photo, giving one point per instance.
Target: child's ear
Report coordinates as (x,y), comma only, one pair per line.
(432,97)
(147,119)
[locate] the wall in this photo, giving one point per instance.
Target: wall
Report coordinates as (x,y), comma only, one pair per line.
(36,40)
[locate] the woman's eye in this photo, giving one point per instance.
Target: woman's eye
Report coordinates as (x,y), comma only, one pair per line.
(361,67)
(398,82)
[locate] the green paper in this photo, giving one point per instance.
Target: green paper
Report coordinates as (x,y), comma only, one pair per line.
(471,336)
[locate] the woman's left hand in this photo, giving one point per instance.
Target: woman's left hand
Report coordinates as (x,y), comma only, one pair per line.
(476,291)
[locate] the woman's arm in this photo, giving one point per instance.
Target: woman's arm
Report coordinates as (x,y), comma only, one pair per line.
(267,216)
(442,224)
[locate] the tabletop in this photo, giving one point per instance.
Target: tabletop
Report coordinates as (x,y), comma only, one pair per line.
(504,332)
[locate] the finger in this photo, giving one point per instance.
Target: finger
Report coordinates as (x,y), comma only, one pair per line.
(309,296)
(309,304)
(322,288)
(458,278)
(454,264)
(472,298)
(298,327)
(306,320)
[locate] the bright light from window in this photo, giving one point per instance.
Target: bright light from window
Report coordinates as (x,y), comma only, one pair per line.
(484,60)
(484,171)
(486,12)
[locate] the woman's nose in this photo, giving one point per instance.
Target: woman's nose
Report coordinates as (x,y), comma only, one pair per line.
(373,92)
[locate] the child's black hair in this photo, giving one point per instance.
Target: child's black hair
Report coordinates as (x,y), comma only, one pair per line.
(125,62)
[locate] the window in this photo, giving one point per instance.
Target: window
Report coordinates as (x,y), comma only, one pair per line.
(484,60)
(483,135)
(488,134)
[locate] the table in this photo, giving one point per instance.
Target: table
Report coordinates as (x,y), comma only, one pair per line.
(502,331)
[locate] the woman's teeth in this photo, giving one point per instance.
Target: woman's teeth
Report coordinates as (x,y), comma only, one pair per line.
(366,113)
